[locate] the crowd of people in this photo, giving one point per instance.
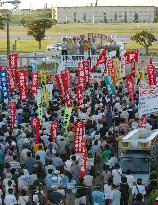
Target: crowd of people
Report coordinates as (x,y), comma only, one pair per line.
(50,172)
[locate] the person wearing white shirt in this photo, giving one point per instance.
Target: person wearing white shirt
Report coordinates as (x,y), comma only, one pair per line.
(130,179)
(117,173)
(108,190)
(10,198)
(139,188)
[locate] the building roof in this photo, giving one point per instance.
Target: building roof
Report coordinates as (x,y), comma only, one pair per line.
(107,6)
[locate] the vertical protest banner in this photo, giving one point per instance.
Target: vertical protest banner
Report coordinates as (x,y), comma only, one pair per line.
(4,88)
(67,84)
(131,56)
(34,83)
(54,130)
(111,70)
(12,114)
(80,84)
(151,74)
(67,115)
(13,64)
(46,97)
(86,69)
(22,77)
(133,69)
(39,105)
(58,82)
(117,66)
(36,128)
(130,87)
(140,74)
(143,121)
(101,60)
(109,83)
(43,76)
(80,145)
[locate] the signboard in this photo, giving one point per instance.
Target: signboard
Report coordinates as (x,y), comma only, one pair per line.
(148,98)
(71,61)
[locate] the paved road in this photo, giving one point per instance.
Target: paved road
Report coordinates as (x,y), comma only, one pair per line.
(58,37)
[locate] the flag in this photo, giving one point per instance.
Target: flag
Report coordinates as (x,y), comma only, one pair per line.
(36,128)
(131,56)
(101,60)
(109,113)
(54,130)
(13,64)
(39,105)
(22,76)
(12,113)
(67,115)
(143,121)
(4,84)
(151,74)
(111,70)
(109,83)
(43,76)
(34,84)
(130,87)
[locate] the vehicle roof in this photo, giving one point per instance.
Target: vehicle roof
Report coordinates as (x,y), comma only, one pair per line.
(141,134)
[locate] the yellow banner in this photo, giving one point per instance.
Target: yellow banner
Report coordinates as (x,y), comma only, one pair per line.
(43,76)
(46,96)
(140,74)
(117,66)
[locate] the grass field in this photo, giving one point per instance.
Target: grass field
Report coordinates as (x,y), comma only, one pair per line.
(24,45)
(82,28)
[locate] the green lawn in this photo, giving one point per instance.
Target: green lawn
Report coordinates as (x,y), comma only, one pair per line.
(24,45)
(82,28)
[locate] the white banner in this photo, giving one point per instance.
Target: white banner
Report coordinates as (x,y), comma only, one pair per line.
(71,61)
(148,99)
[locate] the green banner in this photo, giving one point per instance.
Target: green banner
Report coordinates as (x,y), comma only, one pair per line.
(67,115)
(110,85)
(39,105)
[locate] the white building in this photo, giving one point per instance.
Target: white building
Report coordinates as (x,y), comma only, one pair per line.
(104,14)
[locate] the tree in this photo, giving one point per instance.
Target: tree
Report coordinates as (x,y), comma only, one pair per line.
(75,14)
(145,39)
(105,19)
(23,22)
(115,17)
(84,17)
(37,29)
(136,18)
(3,17)
(125,17)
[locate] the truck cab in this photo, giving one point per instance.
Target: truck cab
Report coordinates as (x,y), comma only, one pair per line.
(138,152)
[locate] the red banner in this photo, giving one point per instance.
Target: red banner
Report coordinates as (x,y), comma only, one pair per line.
(86,70)
(36,128)
(80,145)
(130,87)
(111,70)
(133,70)
(151,74)
(12,113)
(23,84)
(131,56)
(101,60)
(34,84)
(143,121)
(80,84)
(13,64)
(79,136)
(54,130)
(59,83)
(67,87)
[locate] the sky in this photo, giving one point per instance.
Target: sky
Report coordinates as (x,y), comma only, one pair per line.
(35,4)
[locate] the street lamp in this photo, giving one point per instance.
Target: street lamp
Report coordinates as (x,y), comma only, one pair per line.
(15,3)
